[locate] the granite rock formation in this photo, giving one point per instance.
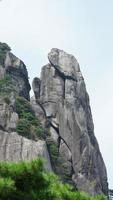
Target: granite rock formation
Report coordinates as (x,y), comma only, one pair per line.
(62,103)
(56,124)
(14,84)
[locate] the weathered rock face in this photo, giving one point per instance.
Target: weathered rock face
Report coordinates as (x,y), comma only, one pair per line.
(16,69)
(63,102)
(14,147)
(18,73)
(14,84)
(66,130)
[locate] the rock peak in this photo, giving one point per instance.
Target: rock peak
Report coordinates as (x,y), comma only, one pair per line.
(57,124)
(61,94)
(63,62)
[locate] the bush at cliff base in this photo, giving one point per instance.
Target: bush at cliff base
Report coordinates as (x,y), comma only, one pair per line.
(28,181)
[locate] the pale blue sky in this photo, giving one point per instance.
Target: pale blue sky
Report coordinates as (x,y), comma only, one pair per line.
(83,28)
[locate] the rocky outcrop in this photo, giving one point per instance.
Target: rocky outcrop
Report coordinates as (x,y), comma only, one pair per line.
(14,148)
(16,69)
(18,73)
(62,100)
(14,85)
(56,125)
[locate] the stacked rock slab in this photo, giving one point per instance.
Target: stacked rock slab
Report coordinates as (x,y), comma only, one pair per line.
(62,99)
(14,147)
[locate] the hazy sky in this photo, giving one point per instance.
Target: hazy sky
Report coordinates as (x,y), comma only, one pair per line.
(83,28)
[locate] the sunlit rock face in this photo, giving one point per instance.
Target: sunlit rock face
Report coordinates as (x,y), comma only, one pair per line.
(62,100)
(14,147)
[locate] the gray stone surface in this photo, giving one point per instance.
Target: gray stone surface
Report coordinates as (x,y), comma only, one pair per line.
(17,70)
(2,71)
(65,101)
(36,87)
(66,64)
(61,103)
(14,147)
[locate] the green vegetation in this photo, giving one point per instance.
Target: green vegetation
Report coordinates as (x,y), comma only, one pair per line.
(7,100)
(28,125)
(58,162)
(5,85)
(23,128)
(28,181)
(53,150)
(4,48)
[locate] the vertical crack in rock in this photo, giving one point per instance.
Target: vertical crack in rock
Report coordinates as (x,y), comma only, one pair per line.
(40,104)
(64,91)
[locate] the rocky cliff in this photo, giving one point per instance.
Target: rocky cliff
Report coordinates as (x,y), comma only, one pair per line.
(56,124)
(74,151)
(19,129)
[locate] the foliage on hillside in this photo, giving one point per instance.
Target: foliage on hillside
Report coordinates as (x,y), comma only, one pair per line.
(28,125)
(6,88)
(28,181)
(5,85)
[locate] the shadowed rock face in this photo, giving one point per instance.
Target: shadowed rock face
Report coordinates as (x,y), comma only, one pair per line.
(63,102)
(18,73)
(12,66)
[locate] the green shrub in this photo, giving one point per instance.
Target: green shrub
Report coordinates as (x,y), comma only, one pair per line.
(28,125)
(23,128)
(4,48)
(23,107)
(28,116)
(7,187)
(5,81)
(28,181)
(7,100)
(39,132)
(6,85)
(53,150)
